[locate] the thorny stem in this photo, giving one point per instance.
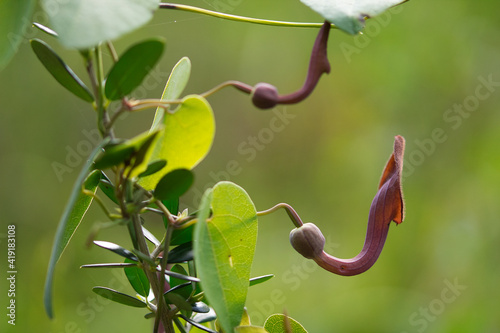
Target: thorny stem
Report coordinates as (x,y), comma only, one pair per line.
(225,16)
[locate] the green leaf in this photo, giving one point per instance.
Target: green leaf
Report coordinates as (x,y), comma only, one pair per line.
(250,329)
(137,278)
(45,29)
(186,139)
(260,279)
(224,247)
(174,282)
(132,67)
(153,167)
(117,249)
(181,236)
(176,83)
(276,324)
(84,24)
(181,253)
(73,214)
(14,20)
(114,154)
(350,15)
(178,300)
(60,71)
(119,297)
(174,184)
(108,188)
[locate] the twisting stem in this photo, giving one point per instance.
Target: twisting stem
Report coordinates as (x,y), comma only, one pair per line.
(225,16)
(237,84)
(289,210)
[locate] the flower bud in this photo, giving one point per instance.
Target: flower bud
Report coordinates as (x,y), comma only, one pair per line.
(265,96)
(307,240)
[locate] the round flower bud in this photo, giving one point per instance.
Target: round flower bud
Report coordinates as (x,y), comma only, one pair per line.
(307,240)
(265,96)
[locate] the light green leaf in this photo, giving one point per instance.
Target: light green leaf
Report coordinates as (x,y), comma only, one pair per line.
(137,278)
(224,246)
(176,83)
(187,138)
(75,210)
(250,329)
(132,67)
(276,324)
(83,24)
(350,15)
(60,71)
(119,297)
(14,19)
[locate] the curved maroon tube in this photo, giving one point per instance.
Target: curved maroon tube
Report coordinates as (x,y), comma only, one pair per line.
(387,206)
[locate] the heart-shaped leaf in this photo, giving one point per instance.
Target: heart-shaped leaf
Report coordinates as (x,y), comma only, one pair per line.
(224,246)
(132,67)
(84,24)
(186,139)
(350,15)
(60,71)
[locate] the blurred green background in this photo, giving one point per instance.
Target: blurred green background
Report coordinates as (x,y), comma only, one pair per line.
(421,71)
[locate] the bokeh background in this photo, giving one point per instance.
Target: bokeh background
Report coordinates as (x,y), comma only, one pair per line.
(420,71)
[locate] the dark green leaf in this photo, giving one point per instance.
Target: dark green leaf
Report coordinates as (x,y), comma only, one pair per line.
(174,282)
(119,297)
(132,67)
(181,236)
(178,300)
(181,253)
(108,188)
(137,278)
(153,167)
(117,249)
(174,184)
(60,71)
(14,20)
(73,214)
(114,154)
(260,279)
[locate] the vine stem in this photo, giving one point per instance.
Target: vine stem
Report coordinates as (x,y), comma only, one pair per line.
(239,18)
(292,214)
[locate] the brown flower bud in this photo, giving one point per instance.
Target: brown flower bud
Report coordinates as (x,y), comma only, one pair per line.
(307,240)
(265,96)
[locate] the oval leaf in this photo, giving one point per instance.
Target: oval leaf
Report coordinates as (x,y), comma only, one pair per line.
(119,297)
(132,67)
(84,24)
(174,184)
(14,19)
(60,71)
(186,139)
(350,15)
(75,210)
(224,246)
(176,83)
(277,323)
(137,278)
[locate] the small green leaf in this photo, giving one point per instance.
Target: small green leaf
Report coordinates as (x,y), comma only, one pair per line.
(132,67)
(150,237)
(186,139)
(276,324)
(153,167)
(119,297)
(178,300)
(60,71)
(350,15)
(176,83)
(181,253)
(117,249)
(84,24)
(108,188)
(114,154)
(224,245)
(250,329)
(181,236)
(260,279)
(137,278)
(14,20)
(200,307)
(174,184)
(75,210)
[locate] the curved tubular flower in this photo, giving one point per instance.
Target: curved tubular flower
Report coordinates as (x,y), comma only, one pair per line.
(387,206)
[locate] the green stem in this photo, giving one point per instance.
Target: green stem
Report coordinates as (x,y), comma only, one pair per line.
(198,10)
(292,214)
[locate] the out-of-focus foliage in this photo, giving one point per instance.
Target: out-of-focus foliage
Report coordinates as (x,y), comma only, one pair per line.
(428,71)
